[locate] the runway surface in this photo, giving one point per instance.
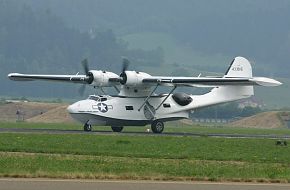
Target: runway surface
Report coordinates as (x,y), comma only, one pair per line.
(51,184)
(61,131)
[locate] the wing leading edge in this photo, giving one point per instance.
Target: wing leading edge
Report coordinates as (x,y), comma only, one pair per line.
(83,79)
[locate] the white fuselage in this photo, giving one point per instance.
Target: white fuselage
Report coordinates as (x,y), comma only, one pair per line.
(128,111)
(123,111)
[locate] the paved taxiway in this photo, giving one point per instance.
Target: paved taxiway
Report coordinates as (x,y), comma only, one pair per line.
(51,184)
(61,131)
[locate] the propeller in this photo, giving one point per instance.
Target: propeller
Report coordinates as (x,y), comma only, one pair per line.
(123,75)
(89,76)
(85,66)
(82,90)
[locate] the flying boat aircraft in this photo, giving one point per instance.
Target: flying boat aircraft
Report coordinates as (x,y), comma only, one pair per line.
(138,104)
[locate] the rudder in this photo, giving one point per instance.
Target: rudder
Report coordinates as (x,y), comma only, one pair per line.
(240,67)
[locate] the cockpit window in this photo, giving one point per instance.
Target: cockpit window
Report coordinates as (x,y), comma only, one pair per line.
(96,98)
(103,99)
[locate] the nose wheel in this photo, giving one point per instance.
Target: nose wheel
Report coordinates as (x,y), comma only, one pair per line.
(157,126)
(87,127)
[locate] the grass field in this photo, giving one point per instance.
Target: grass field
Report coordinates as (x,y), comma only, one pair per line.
(142,157)
(169,127)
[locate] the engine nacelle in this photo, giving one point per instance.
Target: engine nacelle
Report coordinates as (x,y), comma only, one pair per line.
(133,78)
(101,78)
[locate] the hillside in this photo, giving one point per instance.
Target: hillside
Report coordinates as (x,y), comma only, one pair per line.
(26,110)
(268,120)
(39,112)
(56,115)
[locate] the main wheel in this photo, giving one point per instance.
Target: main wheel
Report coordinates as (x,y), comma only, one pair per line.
(117,129)
(87,127)
(157,126)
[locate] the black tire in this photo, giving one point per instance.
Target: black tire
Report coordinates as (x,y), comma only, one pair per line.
(117,129)
(87,127)
(157,126)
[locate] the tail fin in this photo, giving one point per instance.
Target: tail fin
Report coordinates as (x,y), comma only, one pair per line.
(240,67)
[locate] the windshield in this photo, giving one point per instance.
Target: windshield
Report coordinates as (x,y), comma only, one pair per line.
(96,98)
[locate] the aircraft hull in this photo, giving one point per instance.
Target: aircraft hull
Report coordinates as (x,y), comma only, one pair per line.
(120,111)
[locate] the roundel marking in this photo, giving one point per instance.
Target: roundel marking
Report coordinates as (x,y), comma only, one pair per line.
(102,107)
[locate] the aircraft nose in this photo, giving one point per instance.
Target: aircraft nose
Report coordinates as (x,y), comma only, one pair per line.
(71,108)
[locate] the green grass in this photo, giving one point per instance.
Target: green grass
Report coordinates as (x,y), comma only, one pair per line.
(99,167)
(114,156)
(219,149)
(149,157)
(169,127)
(25,125)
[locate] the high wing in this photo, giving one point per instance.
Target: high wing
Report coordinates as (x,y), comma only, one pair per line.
(238,74)
(93,77)
(83,79)
(211,81)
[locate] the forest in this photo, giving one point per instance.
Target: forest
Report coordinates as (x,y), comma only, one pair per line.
(40,42)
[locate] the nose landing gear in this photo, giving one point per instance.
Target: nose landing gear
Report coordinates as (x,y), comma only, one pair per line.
(87,127)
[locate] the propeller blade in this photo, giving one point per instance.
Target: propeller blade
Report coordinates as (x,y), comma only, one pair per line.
(126,63)
(82,90)
(90,77)
(85,66)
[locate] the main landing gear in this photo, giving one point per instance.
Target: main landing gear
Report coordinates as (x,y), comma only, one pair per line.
(157,126)
(87,127)
(117,128)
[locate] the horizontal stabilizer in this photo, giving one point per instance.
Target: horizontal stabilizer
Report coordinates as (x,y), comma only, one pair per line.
(263,81)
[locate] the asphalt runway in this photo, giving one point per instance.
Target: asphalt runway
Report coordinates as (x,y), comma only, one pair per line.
(51,184)
(61,131)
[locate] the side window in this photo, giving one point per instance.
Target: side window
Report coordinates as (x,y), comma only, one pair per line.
(94,98)
(129,108)
(166,105)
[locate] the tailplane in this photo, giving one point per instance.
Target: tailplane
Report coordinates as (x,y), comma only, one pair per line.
(239,68)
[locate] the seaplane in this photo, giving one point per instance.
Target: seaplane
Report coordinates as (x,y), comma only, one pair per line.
(138,104)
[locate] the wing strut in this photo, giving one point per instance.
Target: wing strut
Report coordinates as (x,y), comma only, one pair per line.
(166,97)
(117,89)
(148,97)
